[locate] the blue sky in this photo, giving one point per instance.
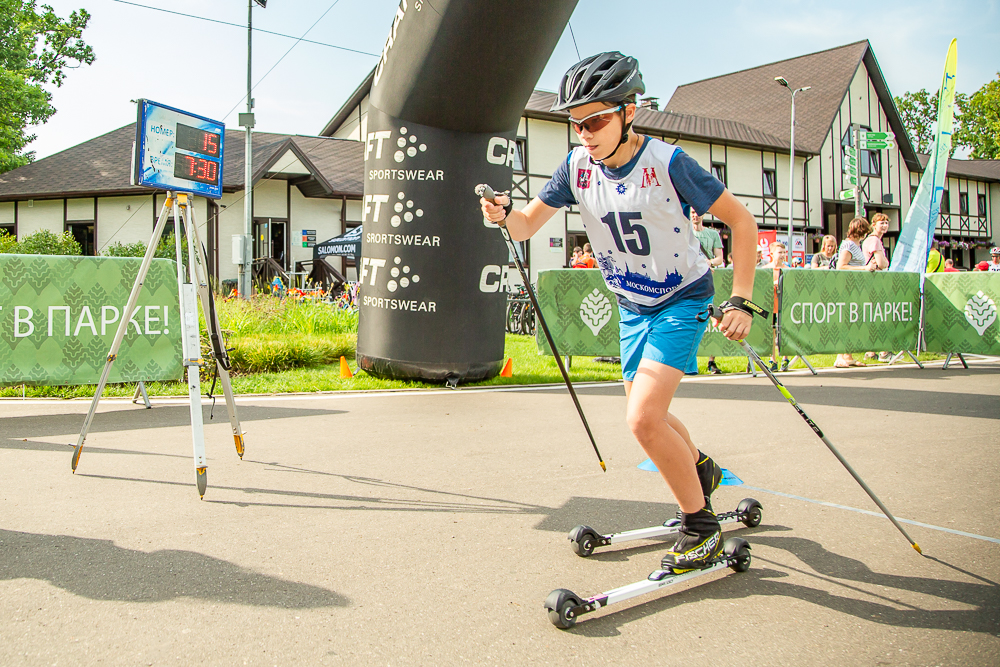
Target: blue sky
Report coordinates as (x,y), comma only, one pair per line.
(201,66)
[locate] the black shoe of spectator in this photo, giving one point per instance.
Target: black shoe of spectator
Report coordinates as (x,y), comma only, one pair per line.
(713,368)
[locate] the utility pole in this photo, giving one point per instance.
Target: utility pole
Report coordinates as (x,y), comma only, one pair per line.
(247,121)
(791,163)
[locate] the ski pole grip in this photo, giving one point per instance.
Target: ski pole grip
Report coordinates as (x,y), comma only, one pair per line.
(486,192)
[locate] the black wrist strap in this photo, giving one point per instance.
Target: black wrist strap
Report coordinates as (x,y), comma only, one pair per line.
(509,207)
(746,305)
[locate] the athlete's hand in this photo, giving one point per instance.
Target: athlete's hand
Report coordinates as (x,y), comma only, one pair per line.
(735,324)
(494,212)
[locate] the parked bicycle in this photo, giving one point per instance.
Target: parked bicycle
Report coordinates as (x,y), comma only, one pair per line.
(520,316)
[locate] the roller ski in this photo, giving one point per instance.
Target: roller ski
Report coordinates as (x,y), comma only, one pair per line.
(565,606)
(584,539)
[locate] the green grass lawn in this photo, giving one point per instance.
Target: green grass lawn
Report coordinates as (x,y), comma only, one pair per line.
(528,367)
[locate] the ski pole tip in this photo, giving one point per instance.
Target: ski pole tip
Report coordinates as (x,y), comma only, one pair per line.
(604,467)
(917,547)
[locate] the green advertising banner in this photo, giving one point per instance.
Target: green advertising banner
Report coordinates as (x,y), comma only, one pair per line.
(829,312)
(581,312)
(58,317)
(960,312)
(761,337)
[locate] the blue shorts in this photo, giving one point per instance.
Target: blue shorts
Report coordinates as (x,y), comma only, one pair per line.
(670,336)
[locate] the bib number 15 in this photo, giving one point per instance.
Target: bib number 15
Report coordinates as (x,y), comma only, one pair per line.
(623,228)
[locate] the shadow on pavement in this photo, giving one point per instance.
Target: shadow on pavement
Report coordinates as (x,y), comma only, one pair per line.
(99,570)
(137,417)
(979,602)
(879,398)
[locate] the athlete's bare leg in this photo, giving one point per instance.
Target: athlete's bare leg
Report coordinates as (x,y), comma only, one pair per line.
(662,436)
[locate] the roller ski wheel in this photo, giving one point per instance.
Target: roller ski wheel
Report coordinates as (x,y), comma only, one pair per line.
(565,607)
(737,552)
(584,540)
(562,605)
(750,512)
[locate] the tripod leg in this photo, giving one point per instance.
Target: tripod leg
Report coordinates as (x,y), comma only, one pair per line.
(126,315)
(212,323)
(192,344)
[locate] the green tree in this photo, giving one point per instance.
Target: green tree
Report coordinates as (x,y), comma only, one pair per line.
(8,242)
(42,242)
(36,47)
(119,249)
(980,129)
(918,112)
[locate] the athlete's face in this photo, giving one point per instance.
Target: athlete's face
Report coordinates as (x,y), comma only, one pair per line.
(600,142)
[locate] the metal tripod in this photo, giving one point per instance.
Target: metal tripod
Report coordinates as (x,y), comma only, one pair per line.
(189,292)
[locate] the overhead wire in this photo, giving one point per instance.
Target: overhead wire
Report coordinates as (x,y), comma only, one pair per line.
(322,16)
(297,41)
(240,25)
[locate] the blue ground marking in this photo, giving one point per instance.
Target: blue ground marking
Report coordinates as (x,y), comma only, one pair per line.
(728,478)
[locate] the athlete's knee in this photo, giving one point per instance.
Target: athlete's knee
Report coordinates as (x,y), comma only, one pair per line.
(643,423)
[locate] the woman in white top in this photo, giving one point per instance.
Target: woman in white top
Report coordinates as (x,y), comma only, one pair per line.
(852,258)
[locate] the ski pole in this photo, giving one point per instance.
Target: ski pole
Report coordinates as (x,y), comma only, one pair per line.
(487,192)
(716,314)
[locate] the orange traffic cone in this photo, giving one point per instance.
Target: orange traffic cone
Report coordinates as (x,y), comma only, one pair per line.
(345,370)
(508,369)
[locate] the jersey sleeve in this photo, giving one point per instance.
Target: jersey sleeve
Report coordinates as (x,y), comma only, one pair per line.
(558,192)
(696,187)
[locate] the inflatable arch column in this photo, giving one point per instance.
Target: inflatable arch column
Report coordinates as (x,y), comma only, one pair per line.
(447,95)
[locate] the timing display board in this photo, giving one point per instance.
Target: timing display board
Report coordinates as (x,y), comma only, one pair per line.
(177,150)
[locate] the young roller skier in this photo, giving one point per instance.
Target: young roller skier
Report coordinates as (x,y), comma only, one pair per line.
(634,193)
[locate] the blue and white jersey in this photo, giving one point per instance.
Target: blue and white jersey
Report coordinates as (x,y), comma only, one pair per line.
(637,221)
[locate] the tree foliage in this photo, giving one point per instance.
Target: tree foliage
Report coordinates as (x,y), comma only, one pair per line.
(36,47)
(980,128)
(918,112)
(42,242)
(166,249)
(977,120)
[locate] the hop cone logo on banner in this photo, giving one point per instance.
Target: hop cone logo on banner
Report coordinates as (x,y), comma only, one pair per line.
(980,311)
(595,310)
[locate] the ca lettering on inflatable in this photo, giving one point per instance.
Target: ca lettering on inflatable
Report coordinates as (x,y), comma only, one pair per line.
(446,98)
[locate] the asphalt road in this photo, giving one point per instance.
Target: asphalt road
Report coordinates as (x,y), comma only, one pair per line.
(421,528)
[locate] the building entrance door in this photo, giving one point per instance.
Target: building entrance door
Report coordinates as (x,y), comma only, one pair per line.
(270,239)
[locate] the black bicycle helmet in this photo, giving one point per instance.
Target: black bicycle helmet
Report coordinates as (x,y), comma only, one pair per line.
(606,77)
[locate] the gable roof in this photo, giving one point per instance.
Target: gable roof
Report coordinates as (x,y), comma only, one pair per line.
(102,166)
(349,106)
(751,97)
(677,125)
(981,170)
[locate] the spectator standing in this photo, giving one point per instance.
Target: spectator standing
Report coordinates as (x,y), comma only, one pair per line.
(994,259)
(949,266)
(935,262)
(874,251)
(711,248)
(779,259)
(826,258)
(851,258)
(577,253)
(760,258)
(586,260)
(709,239)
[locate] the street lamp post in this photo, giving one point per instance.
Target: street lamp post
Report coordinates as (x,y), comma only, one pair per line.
(247,120)
(791,161)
